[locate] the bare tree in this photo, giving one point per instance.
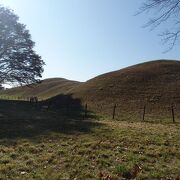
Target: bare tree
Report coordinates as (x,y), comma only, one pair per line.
(164,12)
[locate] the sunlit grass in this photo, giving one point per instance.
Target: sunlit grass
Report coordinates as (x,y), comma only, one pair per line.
(111,149)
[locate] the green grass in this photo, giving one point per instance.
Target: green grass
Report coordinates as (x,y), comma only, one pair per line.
(36,144)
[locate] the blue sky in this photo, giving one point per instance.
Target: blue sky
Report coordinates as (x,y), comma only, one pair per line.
(80,39)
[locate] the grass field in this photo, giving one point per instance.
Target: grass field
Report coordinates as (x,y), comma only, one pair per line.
(36,144)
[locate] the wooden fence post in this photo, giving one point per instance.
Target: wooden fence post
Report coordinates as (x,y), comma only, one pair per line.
(85,112)
(49,105)
(114,111)
(67,109)
(144,112)
(173,116)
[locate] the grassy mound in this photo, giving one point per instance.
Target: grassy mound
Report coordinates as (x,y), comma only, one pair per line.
(155,83)
(46,89)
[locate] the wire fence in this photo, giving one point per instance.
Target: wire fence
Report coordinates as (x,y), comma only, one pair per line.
(19,98)
(148,112)
(145,112)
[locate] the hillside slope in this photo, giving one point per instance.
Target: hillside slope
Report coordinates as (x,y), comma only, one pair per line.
(156,82)
(46,89)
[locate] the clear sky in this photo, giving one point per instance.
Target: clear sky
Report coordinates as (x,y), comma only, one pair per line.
(80,39)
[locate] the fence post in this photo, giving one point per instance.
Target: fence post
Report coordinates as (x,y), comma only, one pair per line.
(49,105)
(85,112)
(114,111)
(173,116)
(144,112)
(67,109)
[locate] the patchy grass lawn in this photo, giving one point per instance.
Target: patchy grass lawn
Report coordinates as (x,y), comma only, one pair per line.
(108,150)
(38,144)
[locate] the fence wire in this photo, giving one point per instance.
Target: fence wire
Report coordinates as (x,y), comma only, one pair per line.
(132,111)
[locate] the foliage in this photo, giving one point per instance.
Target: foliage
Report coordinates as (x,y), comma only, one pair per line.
(18,61)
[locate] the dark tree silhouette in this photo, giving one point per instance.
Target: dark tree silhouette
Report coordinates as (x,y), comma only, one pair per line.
(19,63)
(164,11)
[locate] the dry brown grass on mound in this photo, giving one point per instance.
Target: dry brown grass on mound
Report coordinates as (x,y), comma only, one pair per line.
(155,82)
(48,88)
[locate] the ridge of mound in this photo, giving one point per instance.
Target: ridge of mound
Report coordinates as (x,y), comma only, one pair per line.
(46,89)
(155,83)
(150,82)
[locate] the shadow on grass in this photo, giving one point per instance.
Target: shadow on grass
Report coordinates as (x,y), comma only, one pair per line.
(61,114)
